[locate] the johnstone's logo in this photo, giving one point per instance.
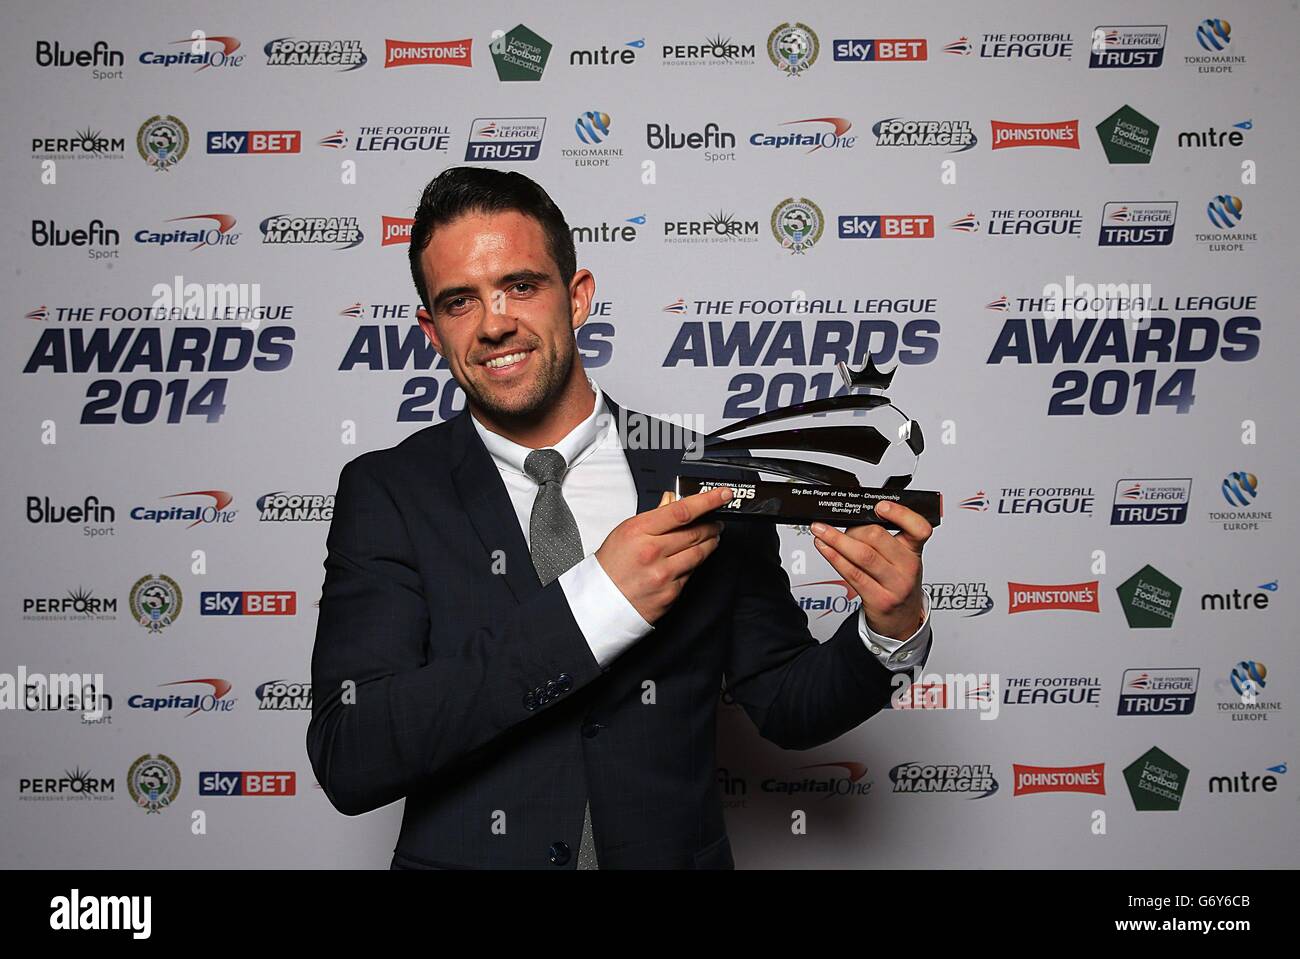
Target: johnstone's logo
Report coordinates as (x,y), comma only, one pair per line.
(1063,134)
(1028,598)
(282,507)
(975,781)
(347,55)
(201,229)
(956,135)
(216,513)
(214,700)
(1059,779)
(973,599)
(1127,47)
(395,229)
(886,226)
(1151,502)
(846,779)
(280,695)
(447,53)
(505,138)
(1158,692)
(254,142)
(341,232)
(248,602)
(1138,224)
(202,54)
(248,783)
(880,51)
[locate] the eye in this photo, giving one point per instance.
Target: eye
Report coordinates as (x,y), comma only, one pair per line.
(523,286)
(456,304)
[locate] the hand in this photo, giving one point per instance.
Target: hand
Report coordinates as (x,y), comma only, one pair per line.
(650,556)
(885,570)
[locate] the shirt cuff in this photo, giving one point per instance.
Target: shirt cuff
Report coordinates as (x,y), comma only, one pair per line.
(894,654)
(609,623)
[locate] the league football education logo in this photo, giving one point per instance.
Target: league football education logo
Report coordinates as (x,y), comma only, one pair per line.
(154,782)
(162,142)
(793,48)
(520,54)
(155,602)
(1127,136)
(1156,781)
(797,224)
(1149,599)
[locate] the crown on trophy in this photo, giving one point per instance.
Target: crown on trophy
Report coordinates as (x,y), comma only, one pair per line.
(870,377)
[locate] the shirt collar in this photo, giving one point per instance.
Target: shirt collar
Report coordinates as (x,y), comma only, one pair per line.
(583,440)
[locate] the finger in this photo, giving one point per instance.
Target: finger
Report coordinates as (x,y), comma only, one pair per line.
(685,537)
(686,510)
(866,558)
(887,545)
(874,596)
(914,529)
(683,563)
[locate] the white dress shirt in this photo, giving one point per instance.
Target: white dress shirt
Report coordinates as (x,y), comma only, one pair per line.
(600,492)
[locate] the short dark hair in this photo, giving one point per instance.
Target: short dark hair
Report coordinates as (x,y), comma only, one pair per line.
(460,190)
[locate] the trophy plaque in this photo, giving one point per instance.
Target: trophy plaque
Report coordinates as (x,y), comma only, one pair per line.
(817,454)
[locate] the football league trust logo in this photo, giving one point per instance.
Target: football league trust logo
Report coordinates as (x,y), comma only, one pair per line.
(793,48)
(155,602)
(162,142)
(154,782)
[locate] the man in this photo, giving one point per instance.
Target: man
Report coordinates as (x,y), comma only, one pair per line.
(521,634)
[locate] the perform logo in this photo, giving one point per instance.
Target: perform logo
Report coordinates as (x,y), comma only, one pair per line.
(1064,134)
(230,142)
(1158,692)
(505,138)
(877,226)
(880,50)
(1151,502)
(247,783)
(1059,779)
(260,602)
(448,53)
(1028,598)
(1138,224)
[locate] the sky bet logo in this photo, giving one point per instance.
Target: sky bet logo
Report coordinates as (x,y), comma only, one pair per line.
(869,51)
(246,783)
(248,602)
(882,226)
(254,141)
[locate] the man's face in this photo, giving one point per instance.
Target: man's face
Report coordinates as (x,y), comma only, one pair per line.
(501,316)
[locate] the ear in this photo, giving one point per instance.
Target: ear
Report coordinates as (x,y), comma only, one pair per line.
(426,323)
(582,290)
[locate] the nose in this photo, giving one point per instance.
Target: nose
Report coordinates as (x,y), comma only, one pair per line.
(498,321)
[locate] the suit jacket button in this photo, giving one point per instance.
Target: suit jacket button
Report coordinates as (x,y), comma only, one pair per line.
(530,701)
(553,689)
(565,682)
(559,852)
(543,698)
(591,730)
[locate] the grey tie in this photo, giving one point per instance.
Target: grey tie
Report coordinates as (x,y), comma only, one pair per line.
(556,545)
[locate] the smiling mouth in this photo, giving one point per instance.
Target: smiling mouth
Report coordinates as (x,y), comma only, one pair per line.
(509,359)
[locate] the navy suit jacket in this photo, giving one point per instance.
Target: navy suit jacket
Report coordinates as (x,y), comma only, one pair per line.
(445,674)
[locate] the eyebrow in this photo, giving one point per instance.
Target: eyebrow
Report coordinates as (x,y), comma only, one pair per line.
(517,276)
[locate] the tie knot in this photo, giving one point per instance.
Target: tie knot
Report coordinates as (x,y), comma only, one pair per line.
(545,466)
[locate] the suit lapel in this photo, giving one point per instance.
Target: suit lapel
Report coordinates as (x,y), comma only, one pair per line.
(485,501)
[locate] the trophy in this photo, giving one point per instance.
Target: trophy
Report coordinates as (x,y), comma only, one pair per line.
(799,445)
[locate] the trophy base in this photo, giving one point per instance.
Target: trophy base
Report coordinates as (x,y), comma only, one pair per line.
(798,504)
